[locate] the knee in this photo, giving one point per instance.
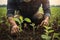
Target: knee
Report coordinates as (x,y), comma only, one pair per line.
(38,16)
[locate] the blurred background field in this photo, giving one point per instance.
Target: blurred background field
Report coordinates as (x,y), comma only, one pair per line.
(3,11)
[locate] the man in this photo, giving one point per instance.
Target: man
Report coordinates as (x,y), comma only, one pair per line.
(27,8)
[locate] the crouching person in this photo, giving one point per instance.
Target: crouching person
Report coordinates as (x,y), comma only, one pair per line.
(27,9)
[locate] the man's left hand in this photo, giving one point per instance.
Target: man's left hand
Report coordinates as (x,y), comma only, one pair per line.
(45,21)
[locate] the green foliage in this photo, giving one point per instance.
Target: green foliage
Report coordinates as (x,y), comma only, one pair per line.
(21,19)
(33,24)
(47,30)
(17,20)
(27,20)
(3,11)
(45,37)
(56,35)
(55,15)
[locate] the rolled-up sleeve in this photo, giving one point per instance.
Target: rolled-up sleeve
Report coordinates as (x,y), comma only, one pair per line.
(10,8)
(46,7)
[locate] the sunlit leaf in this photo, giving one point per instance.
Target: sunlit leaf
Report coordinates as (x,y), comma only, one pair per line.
(21,19)
(45,37)
(50,31)
(33,24)
(48,27)
(27,20)
(17,20)
(1,21)
(56,35)
(46,30)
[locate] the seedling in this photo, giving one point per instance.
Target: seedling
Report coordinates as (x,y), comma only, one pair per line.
(47,30)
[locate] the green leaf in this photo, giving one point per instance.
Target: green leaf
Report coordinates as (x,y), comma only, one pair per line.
(27,20)
(33,24)
(21,19)
(17,20)
(47,27)
(20,29)
(50,31)
(1,21)
(46,31)
(56,35)
(45,37)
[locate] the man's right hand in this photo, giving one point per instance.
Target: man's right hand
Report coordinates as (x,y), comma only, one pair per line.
(14,28)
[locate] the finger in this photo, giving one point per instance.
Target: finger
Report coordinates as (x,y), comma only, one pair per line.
(41,23)
(17,29)
(14,30)
(45,23)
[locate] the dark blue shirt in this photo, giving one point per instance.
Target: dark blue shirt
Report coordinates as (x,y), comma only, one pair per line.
(27,8)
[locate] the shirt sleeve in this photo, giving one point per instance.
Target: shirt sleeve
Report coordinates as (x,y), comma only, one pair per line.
(11,5)
(46,7)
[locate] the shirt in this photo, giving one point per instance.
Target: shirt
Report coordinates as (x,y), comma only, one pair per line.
(27,8)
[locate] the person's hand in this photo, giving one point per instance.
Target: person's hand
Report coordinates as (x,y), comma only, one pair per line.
(45,21)
(14,29)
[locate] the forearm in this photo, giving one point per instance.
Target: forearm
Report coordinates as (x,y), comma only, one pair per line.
(46,17)
(46,8)
(10,11)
